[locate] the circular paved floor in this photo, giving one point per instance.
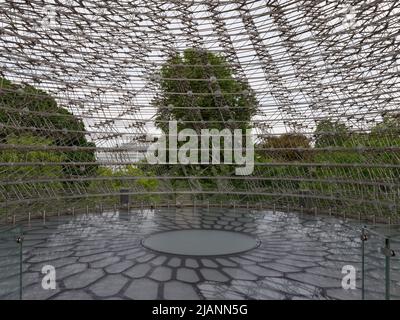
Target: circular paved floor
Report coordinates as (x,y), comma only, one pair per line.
(101,257)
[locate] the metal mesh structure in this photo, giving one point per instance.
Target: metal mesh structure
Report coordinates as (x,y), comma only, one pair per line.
(81,89)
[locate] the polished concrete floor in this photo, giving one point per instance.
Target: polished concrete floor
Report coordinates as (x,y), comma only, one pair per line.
(101,256)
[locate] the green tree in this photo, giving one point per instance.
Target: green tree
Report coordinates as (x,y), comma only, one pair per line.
(110,181)
(31,172)
(198,89)
(359,149)
(198,86)
(330,133)
(24,108)
(289,143)
(284,148)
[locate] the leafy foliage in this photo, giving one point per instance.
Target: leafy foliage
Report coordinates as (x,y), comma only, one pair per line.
(24,108)
(199,91)
(112,181)
(288,142)
(203,80)
(11,173)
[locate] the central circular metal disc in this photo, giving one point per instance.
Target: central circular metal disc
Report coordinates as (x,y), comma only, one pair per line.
(200,242)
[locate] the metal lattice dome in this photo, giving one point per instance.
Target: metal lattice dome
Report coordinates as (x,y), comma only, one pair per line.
(84,84)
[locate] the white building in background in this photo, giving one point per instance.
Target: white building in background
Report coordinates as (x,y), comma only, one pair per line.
(129,153)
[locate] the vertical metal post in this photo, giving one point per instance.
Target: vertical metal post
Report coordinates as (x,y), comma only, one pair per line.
(20,270)
(388,255)
(363,239)
(19,241)
(6,216)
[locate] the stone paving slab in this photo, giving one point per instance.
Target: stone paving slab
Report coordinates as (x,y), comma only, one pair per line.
(101,257)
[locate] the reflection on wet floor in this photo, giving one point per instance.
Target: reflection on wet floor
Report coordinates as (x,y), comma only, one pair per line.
(100,256)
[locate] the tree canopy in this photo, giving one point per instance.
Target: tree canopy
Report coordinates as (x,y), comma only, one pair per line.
(203,80)
(28,112)
(199,90)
